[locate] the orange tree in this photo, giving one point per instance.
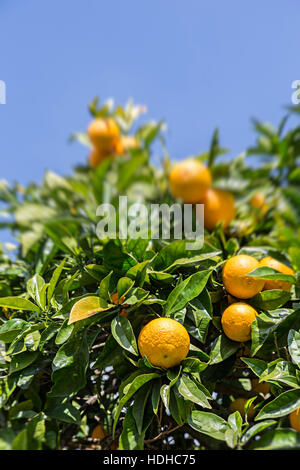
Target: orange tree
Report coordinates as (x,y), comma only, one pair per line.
(74,371)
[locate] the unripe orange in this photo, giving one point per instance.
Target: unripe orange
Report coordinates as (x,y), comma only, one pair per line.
(189,180)
(218,207)
(260,387)
(164,341)
(236,321)
(235,278)
(295,419)
(103,132)
(280,267)
(239,405)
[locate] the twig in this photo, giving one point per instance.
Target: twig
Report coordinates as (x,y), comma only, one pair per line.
(162,434)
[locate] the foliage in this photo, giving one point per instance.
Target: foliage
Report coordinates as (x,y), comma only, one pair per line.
(69,359)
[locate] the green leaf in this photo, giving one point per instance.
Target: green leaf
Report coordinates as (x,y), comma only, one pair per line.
(208,423)
(11,329)
(193,391)
(104,287)
(294,346)
(123,333)
(22,360)
(37,290)
(139,405)
(123,287)
(266,324)
(270,274)
(138,273)
(278,439)
(281,406)
(69,366)
(256,429)
(155,395)
(280,371)
(54,279)
(256,365)
(131,438)
(18,303)
(185,292)
(64,412)
(131,388)
(270,299)
(223,348)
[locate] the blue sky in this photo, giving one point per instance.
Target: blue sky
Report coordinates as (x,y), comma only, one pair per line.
(195,63)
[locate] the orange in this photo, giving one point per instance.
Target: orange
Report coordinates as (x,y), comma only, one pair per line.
(103,132)
(278,266)
(130,142)
(295,419)
(97,156)
(235,278)
(189,180)
(218,207)
(239,405)
(164,341)
(236,321)
(258,202)
(98,432)
(262,387)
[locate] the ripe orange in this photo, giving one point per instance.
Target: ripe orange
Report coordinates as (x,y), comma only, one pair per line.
(98,432)
(97,156)
(295,419)
(235,277)
(165,342)
(130,142)
(189,180)
(262,387)
(103,132)
(258,202)
(239,405)
(278,266)
(236,321)
(218,207)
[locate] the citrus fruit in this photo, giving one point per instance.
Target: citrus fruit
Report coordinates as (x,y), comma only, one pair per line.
(130,142)
(236,321)
(235,278)
(103,132)
(258,202)
(98,432)
(295,419)
(218,207)
(280,267)
(239,405)
(97,156)
(262,387)
(164,341)
(189,180)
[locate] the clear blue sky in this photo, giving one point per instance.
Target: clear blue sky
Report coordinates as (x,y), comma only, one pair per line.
(196,63)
